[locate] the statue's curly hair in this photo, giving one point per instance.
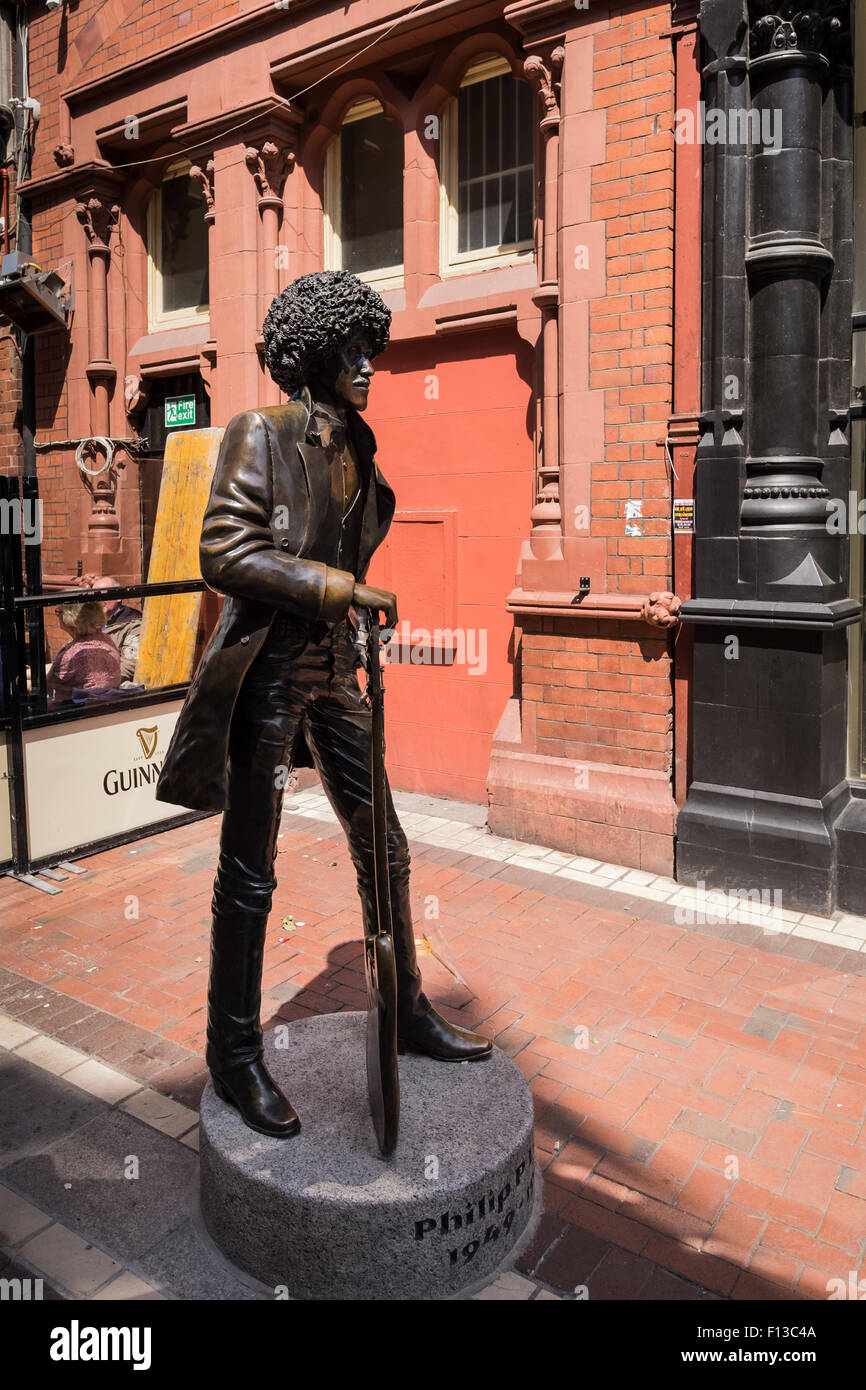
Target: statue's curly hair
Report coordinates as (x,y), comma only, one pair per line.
(311,321)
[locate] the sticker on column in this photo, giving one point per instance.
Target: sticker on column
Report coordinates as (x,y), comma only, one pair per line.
(684,513)
(633,516)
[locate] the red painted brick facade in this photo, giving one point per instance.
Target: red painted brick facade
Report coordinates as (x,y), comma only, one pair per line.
(631,324)
(597,681)
(591,682)
(10,397)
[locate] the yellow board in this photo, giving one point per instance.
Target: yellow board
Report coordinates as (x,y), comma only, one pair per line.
(170,621)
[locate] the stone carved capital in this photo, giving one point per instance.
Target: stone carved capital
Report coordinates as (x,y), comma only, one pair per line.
(204,175)
(779,26)
(270,165)
(545,79)
(98,217)
(136,395)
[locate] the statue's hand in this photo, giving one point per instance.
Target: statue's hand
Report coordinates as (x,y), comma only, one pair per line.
(380,600)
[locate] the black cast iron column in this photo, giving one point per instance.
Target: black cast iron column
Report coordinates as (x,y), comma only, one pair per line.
(769,769)
(786,265)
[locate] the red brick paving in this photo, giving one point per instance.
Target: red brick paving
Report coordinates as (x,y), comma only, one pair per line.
(700,1094)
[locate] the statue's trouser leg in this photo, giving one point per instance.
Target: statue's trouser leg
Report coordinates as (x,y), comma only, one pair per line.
(266,717)
(339,733)
(294,680)
(339,725)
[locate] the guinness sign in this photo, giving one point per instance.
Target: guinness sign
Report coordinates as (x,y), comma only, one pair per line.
(127,779)
(109,762)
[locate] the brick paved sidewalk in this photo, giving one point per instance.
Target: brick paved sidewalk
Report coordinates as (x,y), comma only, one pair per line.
(700,1090)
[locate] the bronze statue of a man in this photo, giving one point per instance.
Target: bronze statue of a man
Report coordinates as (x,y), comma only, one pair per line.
(297,508)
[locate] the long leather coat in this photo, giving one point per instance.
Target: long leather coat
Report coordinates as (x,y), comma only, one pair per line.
(268,503)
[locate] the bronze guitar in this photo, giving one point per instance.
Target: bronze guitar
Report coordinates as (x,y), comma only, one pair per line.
(383,1079)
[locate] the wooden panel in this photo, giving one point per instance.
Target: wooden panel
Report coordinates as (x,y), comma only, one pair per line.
(170,622)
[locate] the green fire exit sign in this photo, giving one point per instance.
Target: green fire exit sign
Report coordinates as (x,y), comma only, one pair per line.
(180,410)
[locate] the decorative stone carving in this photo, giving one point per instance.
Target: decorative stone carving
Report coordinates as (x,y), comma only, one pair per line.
(661,609)
(786,25)
(784,490)
(98,211)
(545,79)
(270,165)
(136,394)
(545,538)
(64,155)
(99,476)
(98,218)
(204,175)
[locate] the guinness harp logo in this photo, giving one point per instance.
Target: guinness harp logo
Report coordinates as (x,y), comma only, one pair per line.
(147,738)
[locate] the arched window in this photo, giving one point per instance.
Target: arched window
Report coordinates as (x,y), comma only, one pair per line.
(364,197)
(177,243)
(487,202)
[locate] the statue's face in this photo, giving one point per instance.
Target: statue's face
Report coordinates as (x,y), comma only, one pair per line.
(351,383)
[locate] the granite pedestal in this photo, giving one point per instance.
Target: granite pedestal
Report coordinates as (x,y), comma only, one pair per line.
(324,1216)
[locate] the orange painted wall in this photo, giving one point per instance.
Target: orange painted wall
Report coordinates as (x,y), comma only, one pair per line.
(468,454)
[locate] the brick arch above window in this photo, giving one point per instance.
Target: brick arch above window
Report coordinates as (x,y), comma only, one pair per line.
(329,123)
(355,159)
(486,208)
(449,70)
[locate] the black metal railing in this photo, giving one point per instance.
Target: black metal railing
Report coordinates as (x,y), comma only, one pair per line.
(23,693)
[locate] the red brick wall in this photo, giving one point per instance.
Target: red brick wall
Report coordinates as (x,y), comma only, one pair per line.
(93,39)
(631,326)
(613,683)
(58,517)
(103,36)
(10,396)
(603,696)
(602,687)
(10,363)
(597,703)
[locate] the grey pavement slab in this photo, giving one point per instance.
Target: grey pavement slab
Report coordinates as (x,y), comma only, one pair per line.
(37,1109)
(184,1266)
(465,812)
(81,1181)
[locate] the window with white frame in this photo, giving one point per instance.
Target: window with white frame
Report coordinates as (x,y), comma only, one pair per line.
(177,238)
(364,197)
(487,198)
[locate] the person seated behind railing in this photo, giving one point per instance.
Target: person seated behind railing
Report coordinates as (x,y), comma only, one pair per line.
(89,664)
(123,626)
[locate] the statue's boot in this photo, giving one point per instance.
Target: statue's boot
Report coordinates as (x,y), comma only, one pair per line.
(234,1035)
(419,1027)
